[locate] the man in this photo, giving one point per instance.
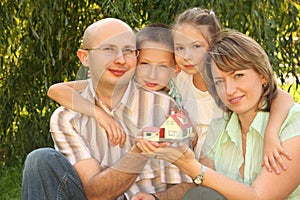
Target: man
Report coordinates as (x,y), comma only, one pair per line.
(94,168)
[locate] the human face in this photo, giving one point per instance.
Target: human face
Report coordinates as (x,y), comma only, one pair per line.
(239,90)
(190,48)
(156,66)
(111,71)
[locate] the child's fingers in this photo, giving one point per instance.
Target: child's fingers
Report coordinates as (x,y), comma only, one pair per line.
(279,160)
(123,138)
(266,164)
(274,165)
(284,153)
(110,135)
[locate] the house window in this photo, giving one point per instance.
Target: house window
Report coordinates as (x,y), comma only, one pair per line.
(172,133)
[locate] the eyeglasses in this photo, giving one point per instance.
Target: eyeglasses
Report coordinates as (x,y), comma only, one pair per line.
(113,51)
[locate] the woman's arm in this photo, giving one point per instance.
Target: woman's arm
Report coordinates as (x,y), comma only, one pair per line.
(282,185)
(273,151)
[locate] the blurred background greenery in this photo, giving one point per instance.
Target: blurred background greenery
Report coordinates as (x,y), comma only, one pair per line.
(39,40)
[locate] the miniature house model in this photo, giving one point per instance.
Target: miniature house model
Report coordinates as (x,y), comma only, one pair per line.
(176,127)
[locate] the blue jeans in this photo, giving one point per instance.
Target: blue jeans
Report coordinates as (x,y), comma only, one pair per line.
(203,193)
(47,174)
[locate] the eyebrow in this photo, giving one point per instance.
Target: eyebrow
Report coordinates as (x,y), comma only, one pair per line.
(217,77)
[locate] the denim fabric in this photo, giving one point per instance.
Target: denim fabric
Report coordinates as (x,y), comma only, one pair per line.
(47,174)
(203,193)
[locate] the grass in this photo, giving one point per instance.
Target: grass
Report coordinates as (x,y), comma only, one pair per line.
(11,182)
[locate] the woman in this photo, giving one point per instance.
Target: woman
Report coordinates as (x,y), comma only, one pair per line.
(239,77)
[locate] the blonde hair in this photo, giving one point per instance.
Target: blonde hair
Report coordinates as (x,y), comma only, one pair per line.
(234,51)
(199,17)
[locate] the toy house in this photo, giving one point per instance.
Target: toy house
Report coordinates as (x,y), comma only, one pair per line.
(176,127)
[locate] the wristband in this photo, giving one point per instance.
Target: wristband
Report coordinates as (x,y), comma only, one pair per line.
(155,197)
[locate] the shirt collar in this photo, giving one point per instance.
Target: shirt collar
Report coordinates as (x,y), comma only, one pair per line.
(131,87)
(259,125)
(260,122)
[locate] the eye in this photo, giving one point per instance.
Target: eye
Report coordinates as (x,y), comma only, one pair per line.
(218,82)
(128,51)
(238,75)
(144,63)
(179,48)
(196,46)
(108,50)
(163,66)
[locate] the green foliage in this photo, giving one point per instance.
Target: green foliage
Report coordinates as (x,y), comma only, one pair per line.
(40,38)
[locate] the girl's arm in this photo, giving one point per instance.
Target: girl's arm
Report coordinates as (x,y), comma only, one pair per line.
(273,150)
(66,94)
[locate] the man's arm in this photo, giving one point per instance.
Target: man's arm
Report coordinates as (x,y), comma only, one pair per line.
(98,183)
(111,182)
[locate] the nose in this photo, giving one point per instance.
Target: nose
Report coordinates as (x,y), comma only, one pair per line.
(153,72)
(187,54)
(120,58)
(231,88)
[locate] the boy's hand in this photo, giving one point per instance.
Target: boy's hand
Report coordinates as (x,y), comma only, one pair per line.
(272,155)
(114,131)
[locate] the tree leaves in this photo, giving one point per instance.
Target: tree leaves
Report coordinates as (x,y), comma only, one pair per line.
(40,38)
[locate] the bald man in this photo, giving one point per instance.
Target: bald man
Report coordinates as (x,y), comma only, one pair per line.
(85,165)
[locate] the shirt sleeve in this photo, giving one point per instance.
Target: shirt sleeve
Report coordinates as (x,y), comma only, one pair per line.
(65,135)
(291,126)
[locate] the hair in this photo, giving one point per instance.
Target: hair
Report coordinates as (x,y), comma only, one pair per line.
(234,51)
(199,17)
(156,32)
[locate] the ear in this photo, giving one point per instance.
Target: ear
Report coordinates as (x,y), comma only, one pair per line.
(83,57)
(263,80)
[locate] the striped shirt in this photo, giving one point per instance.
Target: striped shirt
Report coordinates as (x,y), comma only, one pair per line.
(79,137)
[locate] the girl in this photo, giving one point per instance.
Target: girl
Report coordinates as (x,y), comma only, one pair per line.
(193,35)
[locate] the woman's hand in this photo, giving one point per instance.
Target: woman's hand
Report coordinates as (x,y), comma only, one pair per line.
(174,153)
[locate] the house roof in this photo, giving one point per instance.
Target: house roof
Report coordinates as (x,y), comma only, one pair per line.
(151,129)
(181,120)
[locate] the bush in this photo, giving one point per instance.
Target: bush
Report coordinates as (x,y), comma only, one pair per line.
(40,37)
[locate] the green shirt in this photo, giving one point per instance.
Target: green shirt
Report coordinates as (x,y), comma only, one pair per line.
(224,145)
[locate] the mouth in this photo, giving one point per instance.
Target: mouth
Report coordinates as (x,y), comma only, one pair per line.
(235,100)
(189,66)
(149,84)
(117,72)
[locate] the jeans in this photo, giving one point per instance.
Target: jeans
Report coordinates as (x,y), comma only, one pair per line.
(203,193)
(47,174)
